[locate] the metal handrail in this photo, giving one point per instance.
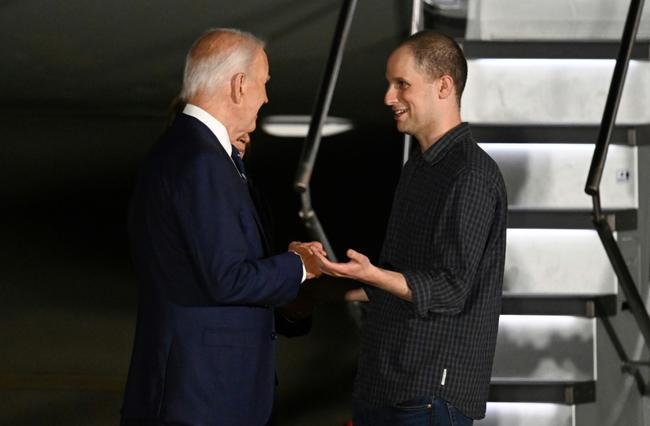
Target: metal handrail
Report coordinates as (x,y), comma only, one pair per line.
(592,187)
(629,366)
(312,142)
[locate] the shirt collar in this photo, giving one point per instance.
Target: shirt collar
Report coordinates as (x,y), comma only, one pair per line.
(435,151)
(212,123)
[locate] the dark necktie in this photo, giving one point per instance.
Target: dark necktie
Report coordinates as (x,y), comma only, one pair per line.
(239,163)
(260,213)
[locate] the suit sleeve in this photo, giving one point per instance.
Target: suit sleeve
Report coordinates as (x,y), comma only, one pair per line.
(222,238)
(466,220)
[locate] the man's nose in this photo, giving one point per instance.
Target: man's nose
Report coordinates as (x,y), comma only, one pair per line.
(389,97)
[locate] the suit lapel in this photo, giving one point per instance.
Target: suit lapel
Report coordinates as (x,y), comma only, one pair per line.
(253,195)
(261,217)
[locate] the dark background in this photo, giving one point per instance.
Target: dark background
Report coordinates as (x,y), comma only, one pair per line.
(85,90)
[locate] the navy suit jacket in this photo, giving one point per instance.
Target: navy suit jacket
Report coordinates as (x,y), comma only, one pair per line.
(204,344)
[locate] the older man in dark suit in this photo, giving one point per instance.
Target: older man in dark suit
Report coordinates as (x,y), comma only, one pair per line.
(204,345)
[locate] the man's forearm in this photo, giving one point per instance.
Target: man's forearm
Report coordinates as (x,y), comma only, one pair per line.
(359,268)
(390,281)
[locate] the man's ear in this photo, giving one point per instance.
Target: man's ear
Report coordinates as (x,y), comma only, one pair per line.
(237,87)
(446,87)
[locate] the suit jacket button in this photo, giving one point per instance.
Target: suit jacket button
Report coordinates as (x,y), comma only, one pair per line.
(274,336)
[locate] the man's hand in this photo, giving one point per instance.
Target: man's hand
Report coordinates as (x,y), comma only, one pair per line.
(358,268)
(356,295)
(308,253)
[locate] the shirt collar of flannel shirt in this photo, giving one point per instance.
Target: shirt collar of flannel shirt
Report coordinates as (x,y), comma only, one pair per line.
(438,149)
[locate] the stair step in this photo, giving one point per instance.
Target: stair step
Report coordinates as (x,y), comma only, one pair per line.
(619,220)
(518,414)
(552,49)
(621,135)
(551,91)
(582,305)
(551,177)
(556,262)
(545,348)
(562,392)
(550,20)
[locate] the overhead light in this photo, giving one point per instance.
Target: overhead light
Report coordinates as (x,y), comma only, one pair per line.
(297,126)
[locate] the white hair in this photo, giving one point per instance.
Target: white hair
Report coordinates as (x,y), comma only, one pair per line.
(205,73)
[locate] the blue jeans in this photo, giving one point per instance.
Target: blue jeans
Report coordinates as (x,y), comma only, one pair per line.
(425,411)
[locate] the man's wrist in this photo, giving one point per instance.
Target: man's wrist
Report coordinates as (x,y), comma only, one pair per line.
(302,264)
(376,277)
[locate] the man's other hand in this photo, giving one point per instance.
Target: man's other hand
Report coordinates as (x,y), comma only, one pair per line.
(307,253)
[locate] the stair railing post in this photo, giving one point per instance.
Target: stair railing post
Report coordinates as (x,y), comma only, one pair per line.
(321,109)
(592,187)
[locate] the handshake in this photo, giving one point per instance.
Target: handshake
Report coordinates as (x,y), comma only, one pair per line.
(314,257)
(357,270)
(309,254)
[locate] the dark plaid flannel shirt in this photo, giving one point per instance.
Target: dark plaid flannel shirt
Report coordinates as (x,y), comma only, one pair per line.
(446,235)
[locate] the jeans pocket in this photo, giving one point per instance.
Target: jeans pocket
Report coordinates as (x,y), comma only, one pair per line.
(414,404)
(456,418)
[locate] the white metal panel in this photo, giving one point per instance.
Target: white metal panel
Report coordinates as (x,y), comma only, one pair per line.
(551,91)
(544,348)
(526,414)
(557,261)
(550,19)
(553,176)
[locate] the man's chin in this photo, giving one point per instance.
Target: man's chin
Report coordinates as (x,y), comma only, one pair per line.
(402,127)
(240,149)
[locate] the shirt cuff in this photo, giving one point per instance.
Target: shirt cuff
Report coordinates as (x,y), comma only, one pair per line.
(304,270)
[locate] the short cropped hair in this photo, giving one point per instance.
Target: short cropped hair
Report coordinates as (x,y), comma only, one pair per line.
(216,57)
(436,55)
